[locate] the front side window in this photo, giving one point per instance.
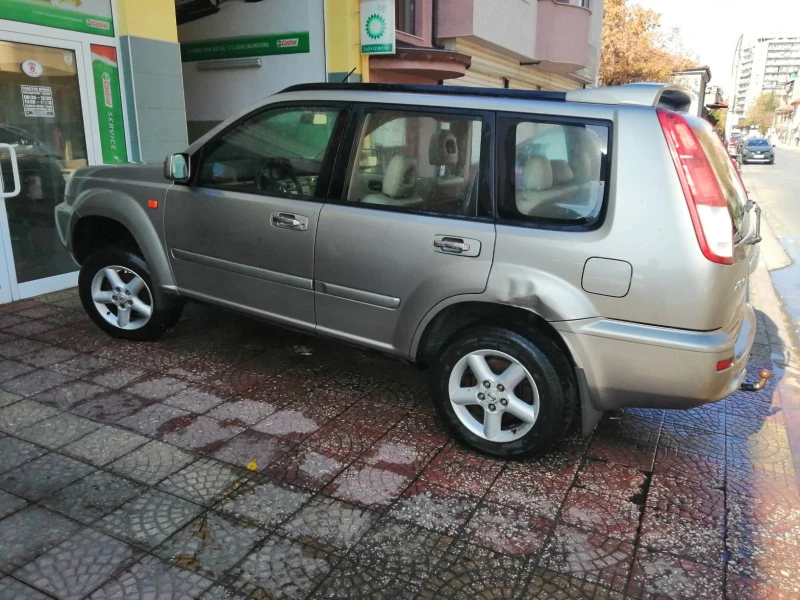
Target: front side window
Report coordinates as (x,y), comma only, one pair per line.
(276,152)
(417,161)
(555,173)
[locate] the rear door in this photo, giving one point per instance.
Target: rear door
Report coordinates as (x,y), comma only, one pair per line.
(388,252)
(242,234)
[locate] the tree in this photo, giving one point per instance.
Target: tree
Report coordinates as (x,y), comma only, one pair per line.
(717,117)
(636,48)
(761,113)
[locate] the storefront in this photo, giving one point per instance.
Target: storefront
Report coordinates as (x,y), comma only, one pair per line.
(62,107)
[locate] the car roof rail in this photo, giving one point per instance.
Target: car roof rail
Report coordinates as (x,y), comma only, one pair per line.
(660,95)
(663,95)
(439,90)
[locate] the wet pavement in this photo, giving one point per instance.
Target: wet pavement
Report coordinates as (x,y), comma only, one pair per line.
(232,459)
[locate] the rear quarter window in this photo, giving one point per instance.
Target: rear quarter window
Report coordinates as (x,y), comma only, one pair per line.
(554,173)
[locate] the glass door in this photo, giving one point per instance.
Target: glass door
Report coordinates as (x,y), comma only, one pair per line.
(43,135)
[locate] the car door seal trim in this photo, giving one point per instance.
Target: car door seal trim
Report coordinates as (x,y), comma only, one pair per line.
(240,269)
(349,293)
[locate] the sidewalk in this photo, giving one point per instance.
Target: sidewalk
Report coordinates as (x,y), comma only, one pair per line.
(232,459)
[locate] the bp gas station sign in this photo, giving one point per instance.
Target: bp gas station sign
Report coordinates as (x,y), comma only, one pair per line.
(377,27)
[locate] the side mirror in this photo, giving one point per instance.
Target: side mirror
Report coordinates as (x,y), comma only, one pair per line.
(368,159)
(176,168)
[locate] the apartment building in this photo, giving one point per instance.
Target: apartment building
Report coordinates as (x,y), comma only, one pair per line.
(763,66)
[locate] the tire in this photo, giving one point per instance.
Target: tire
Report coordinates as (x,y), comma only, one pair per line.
(543,363)
(137,295)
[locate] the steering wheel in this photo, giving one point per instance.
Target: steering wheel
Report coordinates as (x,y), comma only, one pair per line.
(271,176)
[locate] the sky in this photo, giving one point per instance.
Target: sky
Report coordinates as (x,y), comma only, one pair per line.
(711,28)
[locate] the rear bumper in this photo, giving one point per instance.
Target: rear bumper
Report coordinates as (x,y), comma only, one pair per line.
(633,365)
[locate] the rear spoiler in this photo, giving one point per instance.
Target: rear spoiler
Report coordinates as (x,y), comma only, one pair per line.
(661,95)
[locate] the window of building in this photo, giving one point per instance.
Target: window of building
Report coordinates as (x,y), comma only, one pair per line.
(405,16)
(554,173)
(276,152)
(418,161)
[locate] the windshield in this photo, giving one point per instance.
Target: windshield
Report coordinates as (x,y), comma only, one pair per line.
(757,143)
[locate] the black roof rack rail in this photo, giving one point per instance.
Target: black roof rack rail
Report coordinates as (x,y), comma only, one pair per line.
(441,90)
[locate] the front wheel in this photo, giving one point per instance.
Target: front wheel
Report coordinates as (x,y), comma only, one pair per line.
(503,393)
(118,294)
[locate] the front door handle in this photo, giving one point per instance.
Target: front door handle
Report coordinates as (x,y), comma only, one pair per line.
(452,246)
(448,244)
(289,221)
(14,174)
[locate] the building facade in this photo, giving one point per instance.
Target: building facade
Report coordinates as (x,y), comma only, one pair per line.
(81,83)
(763,67)
(85,82)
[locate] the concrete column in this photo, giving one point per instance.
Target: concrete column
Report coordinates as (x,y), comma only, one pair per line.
(150,65)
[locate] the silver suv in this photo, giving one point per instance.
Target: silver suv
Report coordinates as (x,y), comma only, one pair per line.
(545,254)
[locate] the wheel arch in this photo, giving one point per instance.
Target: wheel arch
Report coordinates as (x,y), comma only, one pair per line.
(443,325)
(105,218)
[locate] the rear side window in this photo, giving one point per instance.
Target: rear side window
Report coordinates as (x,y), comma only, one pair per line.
(553,174)
(728,178)
(418,161)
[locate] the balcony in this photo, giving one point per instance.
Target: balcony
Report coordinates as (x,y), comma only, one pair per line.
(562,36)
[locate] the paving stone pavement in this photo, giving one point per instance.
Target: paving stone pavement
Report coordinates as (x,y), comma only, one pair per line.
(232,460)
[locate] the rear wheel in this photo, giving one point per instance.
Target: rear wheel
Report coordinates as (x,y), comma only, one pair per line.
(118,294)
(503,393)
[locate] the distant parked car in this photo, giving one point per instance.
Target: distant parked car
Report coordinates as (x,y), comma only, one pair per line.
(733,146)
(758,150)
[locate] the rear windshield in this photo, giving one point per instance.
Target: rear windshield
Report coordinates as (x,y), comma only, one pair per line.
(728,178)
(757,143)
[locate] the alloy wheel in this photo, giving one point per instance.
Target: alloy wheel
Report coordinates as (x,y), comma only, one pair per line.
(122,297)
(494,395)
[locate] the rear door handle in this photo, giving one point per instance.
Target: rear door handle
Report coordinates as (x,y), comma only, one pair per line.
(447,244)
(289,221)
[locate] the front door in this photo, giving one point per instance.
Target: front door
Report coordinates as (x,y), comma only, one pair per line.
(413,227)
(43,138)
(242,233)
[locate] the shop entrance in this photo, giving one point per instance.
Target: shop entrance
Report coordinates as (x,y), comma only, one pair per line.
(43,139)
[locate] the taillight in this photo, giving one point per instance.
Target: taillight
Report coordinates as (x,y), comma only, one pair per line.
(711,216)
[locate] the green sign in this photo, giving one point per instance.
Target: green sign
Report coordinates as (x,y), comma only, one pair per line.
(246,46)
(109,105)
(85,16)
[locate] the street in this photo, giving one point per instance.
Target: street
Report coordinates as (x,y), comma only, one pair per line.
(775,188)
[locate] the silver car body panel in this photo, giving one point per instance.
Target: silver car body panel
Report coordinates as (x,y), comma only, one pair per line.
(374,277)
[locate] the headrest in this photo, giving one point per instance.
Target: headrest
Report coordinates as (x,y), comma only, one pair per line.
(443,149)
(562,172)
(401,177)
(537,174)
(585,157)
